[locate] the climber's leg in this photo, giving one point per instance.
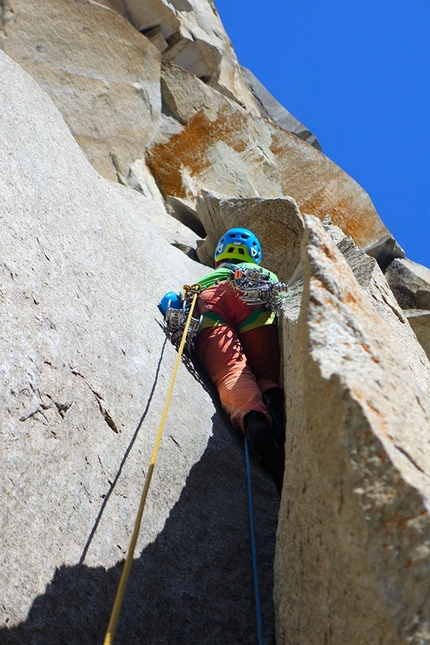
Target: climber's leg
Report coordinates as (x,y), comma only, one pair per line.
(223,358)
(261,348)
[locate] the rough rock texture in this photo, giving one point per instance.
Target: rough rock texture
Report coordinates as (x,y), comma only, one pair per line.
(101,73)
(385,250)
(141,180)
(85,364)
(276,111)
(224,149)
(191,35)
(277,223)
(184,95)
(410,283)
(173,231)
(85,370)
(419,320)
(188,216)
(104,76)
(352,561)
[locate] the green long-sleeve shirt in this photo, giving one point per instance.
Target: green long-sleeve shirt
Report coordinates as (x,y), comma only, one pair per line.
(258,318)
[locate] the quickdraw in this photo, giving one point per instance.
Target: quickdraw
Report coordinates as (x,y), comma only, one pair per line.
(175,319)
(255,288)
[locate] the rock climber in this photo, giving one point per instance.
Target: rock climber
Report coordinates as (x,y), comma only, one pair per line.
(237,344)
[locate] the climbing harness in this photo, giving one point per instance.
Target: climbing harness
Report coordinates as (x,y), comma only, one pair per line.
(127,566)
(255,287)
(175,319)
(253,547)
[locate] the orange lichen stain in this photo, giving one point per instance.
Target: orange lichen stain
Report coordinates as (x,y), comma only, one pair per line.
(280,143)
(188,149)
(366,347)
(347,206)
(395,522)
(409,562)
(319,186)
(353,300)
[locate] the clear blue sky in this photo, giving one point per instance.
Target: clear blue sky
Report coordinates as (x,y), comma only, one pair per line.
(357,74)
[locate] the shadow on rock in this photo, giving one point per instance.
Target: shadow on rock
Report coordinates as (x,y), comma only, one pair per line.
(193,584)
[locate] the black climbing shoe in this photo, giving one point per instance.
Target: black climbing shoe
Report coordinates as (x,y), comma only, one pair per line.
(274,401)
(264,446)
(274,397)
(276,469)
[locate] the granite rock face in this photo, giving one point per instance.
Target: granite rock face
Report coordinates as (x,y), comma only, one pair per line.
(196,128)
(354,522)
(85,370)
(191,35)
(419,320)
(224,149)
(154,96)
(101,73)
(100,63)
(410,283)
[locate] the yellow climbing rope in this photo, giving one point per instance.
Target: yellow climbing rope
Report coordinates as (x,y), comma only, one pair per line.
(127,566)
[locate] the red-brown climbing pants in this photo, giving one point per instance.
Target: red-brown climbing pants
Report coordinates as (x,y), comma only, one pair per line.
(242,365)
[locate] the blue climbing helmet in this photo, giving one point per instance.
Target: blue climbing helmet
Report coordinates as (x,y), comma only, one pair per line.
(238,244)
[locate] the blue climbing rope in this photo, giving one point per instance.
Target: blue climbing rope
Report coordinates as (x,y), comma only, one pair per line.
(253,547)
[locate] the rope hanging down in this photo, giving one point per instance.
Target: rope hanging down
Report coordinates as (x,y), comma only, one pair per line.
(110,633)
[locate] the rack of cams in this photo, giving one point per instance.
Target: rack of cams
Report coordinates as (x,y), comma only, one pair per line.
(175,318)
(253,285)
